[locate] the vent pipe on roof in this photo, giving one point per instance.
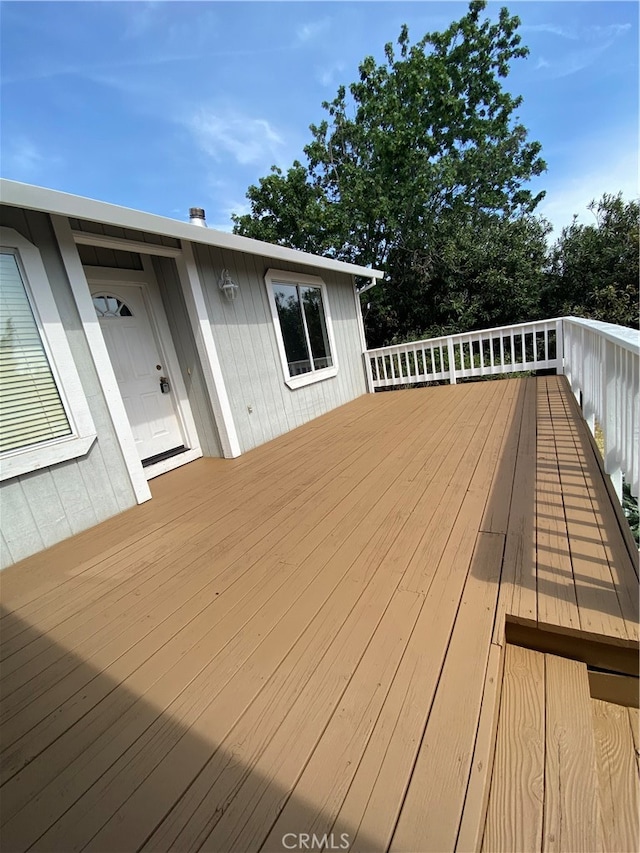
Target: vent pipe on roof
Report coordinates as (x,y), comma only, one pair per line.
(196,217)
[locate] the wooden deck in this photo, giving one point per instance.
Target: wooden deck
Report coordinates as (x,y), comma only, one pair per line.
(311,638)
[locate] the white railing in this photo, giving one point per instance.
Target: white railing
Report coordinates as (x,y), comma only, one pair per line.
(505,349)
(600,361)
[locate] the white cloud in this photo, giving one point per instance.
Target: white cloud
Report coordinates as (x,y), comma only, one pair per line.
(247,140)
(594,32)
(311,30)
(25,157)
(225,223)
(327,76)
(552,29)
(592,42)
(23,160)
(611,31)
(607,164)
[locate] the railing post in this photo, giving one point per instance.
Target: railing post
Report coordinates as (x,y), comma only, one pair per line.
(590,368)
(559,346)
(611,424)
(368,372)
(452,361)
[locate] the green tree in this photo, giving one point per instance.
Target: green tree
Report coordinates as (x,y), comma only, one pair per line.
(288,210)
(423,152)
(480,273)
(594,269)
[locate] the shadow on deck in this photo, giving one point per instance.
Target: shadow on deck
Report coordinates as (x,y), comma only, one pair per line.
(309,639)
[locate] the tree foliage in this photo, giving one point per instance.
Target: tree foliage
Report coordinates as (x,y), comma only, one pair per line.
(483,272)
(594,268)
(421,168)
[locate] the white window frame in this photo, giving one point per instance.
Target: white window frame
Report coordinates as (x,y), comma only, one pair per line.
(302,379)
(23,460)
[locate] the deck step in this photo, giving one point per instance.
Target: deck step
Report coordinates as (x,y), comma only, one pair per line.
(617,775)
(564,775)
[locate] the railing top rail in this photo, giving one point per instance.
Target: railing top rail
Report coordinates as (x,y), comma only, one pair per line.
(621,335)
(465,335)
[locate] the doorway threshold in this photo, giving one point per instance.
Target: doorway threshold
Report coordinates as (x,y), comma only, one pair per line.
(166,454)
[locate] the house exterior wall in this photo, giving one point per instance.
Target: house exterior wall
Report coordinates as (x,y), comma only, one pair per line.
(263,406)
(45,506)
(190,365)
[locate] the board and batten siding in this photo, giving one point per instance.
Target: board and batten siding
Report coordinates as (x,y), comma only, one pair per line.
(263,405)
(188,358)
(43,507)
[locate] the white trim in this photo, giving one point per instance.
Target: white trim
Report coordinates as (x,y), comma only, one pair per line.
(312,376)
(621,336)
(172,462)
(205,344)
(54,339)
(101,360)
(366,361)
(86,238)
(38,198)
(146,281)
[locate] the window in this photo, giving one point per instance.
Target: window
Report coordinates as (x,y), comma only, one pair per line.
(300,311)
(110,306)
(44,417)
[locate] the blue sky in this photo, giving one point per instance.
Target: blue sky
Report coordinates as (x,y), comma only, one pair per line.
(165,105)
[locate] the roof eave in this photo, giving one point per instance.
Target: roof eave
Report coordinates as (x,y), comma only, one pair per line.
(16,194)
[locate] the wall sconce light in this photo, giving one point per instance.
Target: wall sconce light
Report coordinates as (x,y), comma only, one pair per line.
(228,286)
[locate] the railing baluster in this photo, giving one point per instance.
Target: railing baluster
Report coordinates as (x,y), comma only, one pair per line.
(546,343)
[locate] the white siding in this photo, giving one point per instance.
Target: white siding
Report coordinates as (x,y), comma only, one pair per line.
(244,333)
(44,507)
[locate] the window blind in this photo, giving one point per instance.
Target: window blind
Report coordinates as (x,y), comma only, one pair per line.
(31,410)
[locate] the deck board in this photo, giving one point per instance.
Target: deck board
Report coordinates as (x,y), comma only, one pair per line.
(572,814)
(441,770)
(617,777)
(281,642)
(356,497)
(518,593)
(556,583)
(515,810)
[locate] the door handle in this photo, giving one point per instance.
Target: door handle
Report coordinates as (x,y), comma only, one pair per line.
(164,385)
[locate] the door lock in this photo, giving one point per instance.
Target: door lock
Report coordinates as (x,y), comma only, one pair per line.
(164,385)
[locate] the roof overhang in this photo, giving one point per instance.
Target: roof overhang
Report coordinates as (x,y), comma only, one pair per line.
(31,197)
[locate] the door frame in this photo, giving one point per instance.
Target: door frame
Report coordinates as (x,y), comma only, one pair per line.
(146,280)
(200,325)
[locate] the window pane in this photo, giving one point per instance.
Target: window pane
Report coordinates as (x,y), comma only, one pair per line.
(31,410)
(290,316)
(317,326)
(110,306)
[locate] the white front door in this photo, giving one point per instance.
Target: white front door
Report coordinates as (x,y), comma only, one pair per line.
(139,366)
